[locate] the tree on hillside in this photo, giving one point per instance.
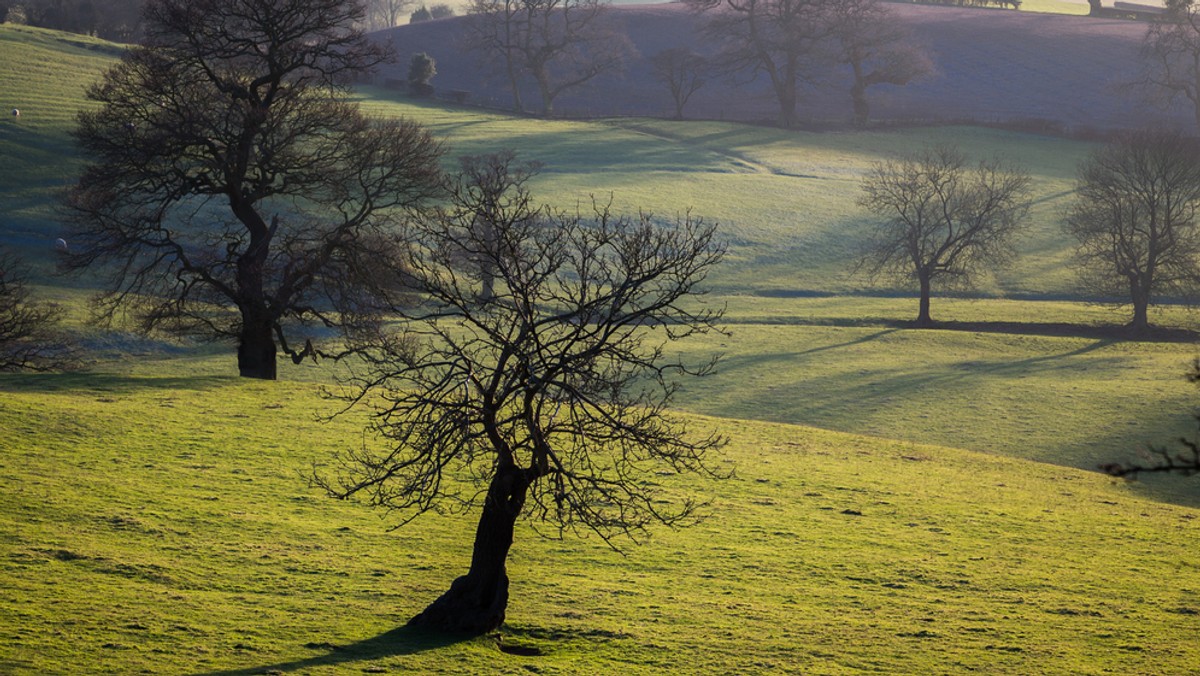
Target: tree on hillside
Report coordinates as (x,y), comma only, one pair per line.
(682,71)
(878,49)
(421,69)
(1171,55)
(547,397)
(232,191)
(785,39)
(1158,459)
(560,44)
(945,220)
(29,335)
(1135,220)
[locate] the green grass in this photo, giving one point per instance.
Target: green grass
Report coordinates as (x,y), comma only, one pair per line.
(44,74)
(160,524)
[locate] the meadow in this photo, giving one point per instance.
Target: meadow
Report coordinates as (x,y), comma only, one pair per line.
(904,501)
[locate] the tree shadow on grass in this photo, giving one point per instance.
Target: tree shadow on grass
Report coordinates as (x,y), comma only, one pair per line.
(104,382)
(399,641)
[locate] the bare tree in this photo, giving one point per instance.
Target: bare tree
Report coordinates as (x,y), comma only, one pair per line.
(233,192)
(1171,55)
(877,48)
(384,14)
(1159,459)
(945,220)
(547,397)
(29,335)
(786,39)
(1134,217)
(560,44)
(683,71)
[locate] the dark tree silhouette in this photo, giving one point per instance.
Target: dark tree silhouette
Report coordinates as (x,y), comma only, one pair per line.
(1135,219)
(945,220)
(682,71)
(1171,55)
(232,191)
(546,397)
(785,39)
(560,44)
(1157,459)
(29,335)
(878,49)
(421,70)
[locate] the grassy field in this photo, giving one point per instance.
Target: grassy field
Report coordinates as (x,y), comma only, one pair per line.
(154,516)
(160,524)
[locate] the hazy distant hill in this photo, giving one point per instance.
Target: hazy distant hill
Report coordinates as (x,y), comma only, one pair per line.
(995,66)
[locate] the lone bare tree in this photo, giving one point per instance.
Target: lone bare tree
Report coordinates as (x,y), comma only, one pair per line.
(878,49)
(1171,55)
(546,397)
(783,38)
(233,192)
(1135,220)
(945,220)
(29,335)
(561,44)
(682,71)
(384,14)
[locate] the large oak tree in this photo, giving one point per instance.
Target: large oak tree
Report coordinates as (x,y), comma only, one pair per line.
(232,191)
(531,377)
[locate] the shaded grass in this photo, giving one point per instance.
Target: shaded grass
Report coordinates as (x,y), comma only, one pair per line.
(162,525)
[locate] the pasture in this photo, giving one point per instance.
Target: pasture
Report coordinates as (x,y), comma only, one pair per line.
(904,501)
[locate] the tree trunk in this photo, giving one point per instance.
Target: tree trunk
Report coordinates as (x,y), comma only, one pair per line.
(1141,307)
(862,110)
(515,84)
(256,346)
(476,602)
(923,316)
(1094,8)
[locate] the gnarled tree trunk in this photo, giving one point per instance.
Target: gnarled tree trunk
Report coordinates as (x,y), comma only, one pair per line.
(476,602)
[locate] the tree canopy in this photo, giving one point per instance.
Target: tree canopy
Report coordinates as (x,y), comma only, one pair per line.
(232,191)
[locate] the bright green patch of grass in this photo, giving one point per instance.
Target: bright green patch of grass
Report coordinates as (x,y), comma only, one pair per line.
(161,524)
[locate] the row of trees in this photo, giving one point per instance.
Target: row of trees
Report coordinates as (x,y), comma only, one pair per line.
(117,20)
(562,44)
(1134,219)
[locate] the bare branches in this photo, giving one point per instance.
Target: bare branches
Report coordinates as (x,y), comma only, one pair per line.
(230,180)
(945,220)
(561,44)
(29,335)
(1171,56)
(1134,217)
(1164,460)
(537,344)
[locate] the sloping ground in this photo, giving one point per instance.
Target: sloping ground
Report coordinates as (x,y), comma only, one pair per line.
(994,66)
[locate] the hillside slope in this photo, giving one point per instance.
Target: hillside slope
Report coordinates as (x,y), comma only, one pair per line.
(994,66)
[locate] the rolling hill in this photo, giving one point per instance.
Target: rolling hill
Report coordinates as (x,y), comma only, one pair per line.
(1040,71)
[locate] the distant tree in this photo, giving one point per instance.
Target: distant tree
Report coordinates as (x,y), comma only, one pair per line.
(29,335)
(421,14)
(421,69)
(945,220)
(232,189)
(441,11)
(1158,459)
(560,44)
(1171,55)
(1095,8)
(383,14)
(547,398)
(877,47)
(786,39)
(683,71)
(1135,220)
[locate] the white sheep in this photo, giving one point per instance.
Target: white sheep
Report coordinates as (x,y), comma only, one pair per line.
(16,112)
